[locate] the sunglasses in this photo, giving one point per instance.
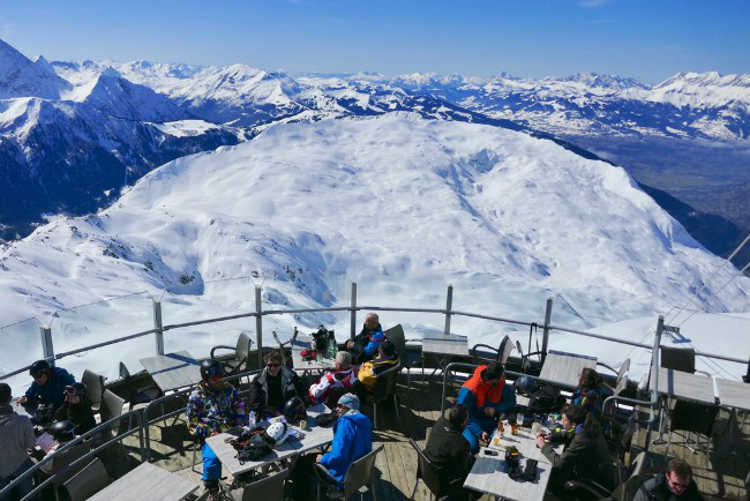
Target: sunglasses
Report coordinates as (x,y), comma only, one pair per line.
(273,365)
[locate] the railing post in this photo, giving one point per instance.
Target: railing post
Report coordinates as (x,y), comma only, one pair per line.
(655,376)
(158,324)
(353,321)
(448,308)
(545,332)
(259,324)
(47,349)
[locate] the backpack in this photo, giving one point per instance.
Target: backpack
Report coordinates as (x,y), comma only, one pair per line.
(251,445)
(545,400)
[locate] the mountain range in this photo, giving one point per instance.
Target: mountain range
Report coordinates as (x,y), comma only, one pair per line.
(73,134)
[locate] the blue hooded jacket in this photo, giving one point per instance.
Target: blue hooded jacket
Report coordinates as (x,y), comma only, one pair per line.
(352,439)
(52,392)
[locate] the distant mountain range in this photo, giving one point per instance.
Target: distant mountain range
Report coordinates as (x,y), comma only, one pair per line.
(72,134)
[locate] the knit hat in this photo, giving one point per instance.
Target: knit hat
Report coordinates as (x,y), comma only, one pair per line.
(349,400)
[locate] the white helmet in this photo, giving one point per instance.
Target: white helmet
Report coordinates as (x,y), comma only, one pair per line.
(277,432)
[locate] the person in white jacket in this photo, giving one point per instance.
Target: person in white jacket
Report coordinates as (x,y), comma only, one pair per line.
(334,383)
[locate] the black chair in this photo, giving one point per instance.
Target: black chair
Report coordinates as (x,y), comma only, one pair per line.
(266,489)
(384,390)
(502,352)
(426,471)
(94,388)
(241,353)
(87,482)
(142,394)
(679,359)
(692,417)
(746,377)
(610,475)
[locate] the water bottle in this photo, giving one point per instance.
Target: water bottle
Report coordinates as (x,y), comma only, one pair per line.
(251,419)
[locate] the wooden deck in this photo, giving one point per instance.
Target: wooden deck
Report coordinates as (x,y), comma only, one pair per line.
(719,473)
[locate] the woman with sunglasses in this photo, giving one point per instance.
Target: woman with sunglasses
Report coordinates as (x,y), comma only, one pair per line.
(76,407)
(279,383)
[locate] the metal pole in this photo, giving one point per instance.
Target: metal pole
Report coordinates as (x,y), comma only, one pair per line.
(545,333)
(353,321)
(655,377)
(158,326)
(259,324)
(448,308)
(47,349)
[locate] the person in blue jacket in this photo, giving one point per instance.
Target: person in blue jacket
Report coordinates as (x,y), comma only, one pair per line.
(366,343)
(48,386)
(352,438)
(485,395)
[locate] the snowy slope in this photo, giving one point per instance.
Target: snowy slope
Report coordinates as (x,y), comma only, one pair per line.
(400,204)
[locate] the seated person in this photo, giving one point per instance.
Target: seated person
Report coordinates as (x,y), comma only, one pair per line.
(385,358)
(279,383)
(365,344)
(16,438)
(48,387)
(450,453)
(485,396)
(676,483)
(334,383)
(583,458)
(77,408)
(352,439)
(590,393)
(214,407)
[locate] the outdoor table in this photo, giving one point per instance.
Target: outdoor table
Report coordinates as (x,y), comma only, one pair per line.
(446,347)
(685,386)
(319,364)
(734,394)
(488,475)
(315,437)
(145,483)
(173,370)
(563,369)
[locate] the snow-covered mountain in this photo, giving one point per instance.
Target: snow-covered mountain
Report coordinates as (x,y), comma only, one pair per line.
(401,204)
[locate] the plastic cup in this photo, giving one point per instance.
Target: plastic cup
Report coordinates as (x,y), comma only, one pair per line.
(519,419)
(536,428)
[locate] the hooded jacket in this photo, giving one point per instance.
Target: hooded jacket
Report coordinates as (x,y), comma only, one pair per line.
(476,394)
(53,391)
(291,384)
(80,413)
(352,439)
(331,380)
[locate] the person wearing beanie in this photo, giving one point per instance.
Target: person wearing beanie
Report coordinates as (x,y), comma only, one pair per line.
(485,396)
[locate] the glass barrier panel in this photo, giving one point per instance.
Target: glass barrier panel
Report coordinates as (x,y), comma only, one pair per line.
(20,346)
(100,322)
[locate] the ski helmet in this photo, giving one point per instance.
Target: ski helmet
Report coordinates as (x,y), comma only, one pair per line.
(63,431)
(277,432)
(294,410)
(211,368)
(525,385)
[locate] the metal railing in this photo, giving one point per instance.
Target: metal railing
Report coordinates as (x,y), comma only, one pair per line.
(160,328)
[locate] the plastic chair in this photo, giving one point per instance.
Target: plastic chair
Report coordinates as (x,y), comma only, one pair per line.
(94,388)
(59,461)
(112,408)
(426,471)
(87,482)
(502,352)
(141,395)
(267,489)
(359,474)
(692,417)
(385,389)
(241,354)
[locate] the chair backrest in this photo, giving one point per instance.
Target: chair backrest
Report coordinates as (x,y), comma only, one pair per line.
(746,377)
(396,335)
(622,377)
(243,347)
(690,416)
(94,387)
(679,359)
(360,472)
(385,382)
(87,482)
(111,406)
(123,370)
(267,489)
(426,471)
(503,351)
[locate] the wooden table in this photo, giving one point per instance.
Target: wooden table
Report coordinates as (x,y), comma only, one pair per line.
(564,369)
(488,475)
(147,483)
(318,364)
(314,437)
(685,386)
(173,370)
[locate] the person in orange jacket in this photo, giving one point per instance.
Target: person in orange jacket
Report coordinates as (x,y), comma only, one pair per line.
(485,395)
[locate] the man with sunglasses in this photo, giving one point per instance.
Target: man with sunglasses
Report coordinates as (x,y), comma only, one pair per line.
(214,407)
(48,386)
(279,383)
(674,484)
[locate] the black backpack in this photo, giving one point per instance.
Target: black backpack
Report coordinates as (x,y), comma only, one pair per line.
(251,445)
(545,400)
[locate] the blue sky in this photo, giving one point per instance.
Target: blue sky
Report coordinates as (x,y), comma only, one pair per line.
(647,40)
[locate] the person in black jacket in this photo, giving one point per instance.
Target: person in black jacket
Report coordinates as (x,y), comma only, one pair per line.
(280,383)
(585,456)
(365,345)
(676,484)
(450,453)
(77,408)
